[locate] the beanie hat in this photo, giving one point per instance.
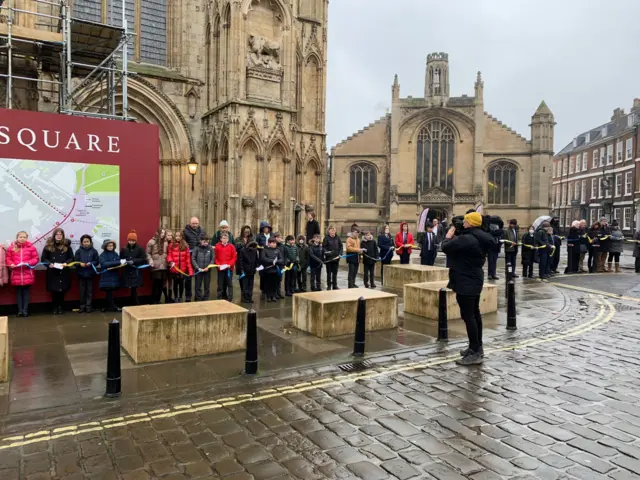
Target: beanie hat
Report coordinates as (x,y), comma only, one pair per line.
(474,219)
(224,223)
(132,235)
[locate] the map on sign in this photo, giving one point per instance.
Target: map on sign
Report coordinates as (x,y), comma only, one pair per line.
(39,197)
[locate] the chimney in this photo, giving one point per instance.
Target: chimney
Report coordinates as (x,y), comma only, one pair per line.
(636,105)
(617,113)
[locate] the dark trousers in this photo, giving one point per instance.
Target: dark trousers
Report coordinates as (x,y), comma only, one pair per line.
(22,299)
(225,285)
(302,279)
(57,299)
(573,258)
(543,263)
(637,264)
(511,258)
(247,287)
(492,262)
(86,292)
(555,260)
(134,296)
(404,257)
(156,290)
(178,287)
(592,260)
(332,275)
(290,278)
(262,285)
(369,271)
(527,269)
(429,258)
(316,273)
(270,280)
(353,272)
(614,257)
(111,305)
(203,286)
(188,288)
(470,312)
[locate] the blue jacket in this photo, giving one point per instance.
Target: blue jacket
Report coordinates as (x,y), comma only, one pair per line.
(88,256)
(261,238)
(110,279)
(385,243)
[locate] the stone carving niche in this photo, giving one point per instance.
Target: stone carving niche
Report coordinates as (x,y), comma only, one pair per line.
(264,71)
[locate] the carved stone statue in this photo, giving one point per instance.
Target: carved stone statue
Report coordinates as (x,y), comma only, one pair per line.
(264,53)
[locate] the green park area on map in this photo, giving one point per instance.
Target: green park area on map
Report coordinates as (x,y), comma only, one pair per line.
(98,178)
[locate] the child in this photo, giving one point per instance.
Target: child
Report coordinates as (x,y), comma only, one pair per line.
(303,264)
(20,256)
(429,247)
(385,243)
(179,259)
(249,262)
(57,254)
(280,245)
(290,260)
(369,258)
(226,257)
(332,248)
(353,257)
(202,257)
(528,254)
(404,241)
(316,254)
(157,258)
(168,284)
(109,279)
(271,259)
(88,258)
(135,256)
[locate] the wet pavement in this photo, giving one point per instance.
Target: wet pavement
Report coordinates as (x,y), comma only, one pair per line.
(555,400)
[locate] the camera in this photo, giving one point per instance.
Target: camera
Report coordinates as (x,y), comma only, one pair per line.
(490,223)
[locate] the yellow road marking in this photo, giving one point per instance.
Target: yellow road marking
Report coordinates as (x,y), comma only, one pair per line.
(596,292)
(45,435)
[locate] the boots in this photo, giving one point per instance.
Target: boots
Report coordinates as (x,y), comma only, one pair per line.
(617,268)
(609,269)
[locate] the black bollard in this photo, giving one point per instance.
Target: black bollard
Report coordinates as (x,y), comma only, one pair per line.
(251,356)
(114,387)
(507,277)
(511,306)
(358,344)
(443,327)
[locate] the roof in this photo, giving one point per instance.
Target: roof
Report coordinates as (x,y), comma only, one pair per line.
(543,109)
(362,131)
(463,101)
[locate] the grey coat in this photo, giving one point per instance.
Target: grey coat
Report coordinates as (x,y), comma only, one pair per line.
(616,243)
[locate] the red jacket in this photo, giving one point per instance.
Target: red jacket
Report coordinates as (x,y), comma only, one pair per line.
(22,276)
(400,241)
(181,259)
(225,254)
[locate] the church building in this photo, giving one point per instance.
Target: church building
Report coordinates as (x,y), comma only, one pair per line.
(443,153)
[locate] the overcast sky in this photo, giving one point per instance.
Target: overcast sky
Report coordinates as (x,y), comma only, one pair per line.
(581,56)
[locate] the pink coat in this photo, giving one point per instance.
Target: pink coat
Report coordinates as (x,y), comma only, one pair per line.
(4,275)
(22,276)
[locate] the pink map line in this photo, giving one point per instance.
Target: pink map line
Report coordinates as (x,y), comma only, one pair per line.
(59,224)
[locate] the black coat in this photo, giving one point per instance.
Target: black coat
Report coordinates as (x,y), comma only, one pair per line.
(425,251)
(132,276)
(385,243)
(58,281)
(192,237)
(316,254)
(573,240)
(528,254)
(369,257)
(332,247)
(88,256)
(313,228)
(268,255)
(249,259)
(467,254)
(303,254)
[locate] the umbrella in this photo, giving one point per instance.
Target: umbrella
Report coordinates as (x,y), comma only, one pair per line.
(539,220)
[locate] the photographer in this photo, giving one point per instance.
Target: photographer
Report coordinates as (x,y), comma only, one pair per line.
(467,252)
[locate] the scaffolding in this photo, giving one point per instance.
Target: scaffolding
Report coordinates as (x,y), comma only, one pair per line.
(80,65)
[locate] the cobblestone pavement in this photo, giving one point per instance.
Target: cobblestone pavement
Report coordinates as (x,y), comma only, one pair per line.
(557,402)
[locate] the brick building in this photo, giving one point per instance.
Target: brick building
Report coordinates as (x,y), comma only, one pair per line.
(595,175)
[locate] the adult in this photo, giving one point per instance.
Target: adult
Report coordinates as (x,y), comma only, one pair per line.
(313,227)
(57,254)
(511,237)
(429,247)
(584,245)
(468,252)
(541,239)
(245,239)
(134,257)
(404,242)
(593,246)
(262,239)
(636,250)
(573,247)
(332,247)
(157,258)
(439,232)
(192,234)
(222,229)
(616,246)
(605,244)
(385,244)
(492,259)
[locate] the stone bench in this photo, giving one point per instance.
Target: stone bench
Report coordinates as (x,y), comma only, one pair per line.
(423,299)
(4,349)
(333,313)
(397,276)
(153,333)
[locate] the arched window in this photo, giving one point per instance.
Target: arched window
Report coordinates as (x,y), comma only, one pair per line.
(434,165)
(501,183)
(362,183)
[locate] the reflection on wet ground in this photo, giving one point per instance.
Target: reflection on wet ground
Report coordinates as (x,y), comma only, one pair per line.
(61,361)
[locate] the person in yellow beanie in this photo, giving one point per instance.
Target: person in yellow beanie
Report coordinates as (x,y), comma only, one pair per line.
(466,254)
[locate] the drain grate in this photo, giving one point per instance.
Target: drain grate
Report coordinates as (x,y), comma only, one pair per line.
(355,366)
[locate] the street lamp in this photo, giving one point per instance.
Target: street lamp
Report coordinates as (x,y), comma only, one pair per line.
(193,169)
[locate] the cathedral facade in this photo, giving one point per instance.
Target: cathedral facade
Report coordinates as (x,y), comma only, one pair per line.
(443,153)
(239,86)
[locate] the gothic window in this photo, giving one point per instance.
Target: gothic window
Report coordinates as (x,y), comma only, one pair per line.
(501,183)
(435,157)
(362,183)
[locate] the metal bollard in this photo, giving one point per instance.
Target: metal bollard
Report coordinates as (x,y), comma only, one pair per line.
(114,383)
(358,345)
(251,355)
(443,327)
(511,306)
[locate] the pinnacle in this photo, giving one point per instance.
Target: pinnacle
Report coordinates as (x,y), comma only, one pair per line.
(543,109)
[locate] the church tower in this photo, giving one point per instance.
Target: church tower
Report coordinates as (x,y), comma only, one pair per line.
(436,89)
(542,127)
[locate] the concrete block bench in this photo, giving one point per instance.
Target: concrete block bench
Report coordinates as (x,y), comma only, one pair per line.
(422,299)
(397,276)
(333,313)
(153,333)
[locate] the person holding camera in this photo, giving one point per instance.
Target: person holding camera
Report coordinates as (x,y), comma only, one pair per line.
(467,253)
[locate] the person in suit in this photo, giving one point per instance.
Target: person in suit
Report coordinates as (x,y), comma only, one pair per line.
(511,245)
(429,247)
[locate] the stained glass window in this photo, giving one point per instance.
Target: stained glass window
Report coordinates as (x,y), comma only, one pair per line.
(434,165)
(362,183)
(501,183)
